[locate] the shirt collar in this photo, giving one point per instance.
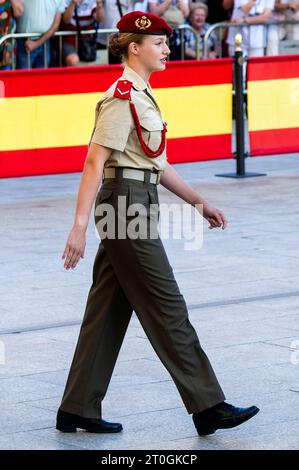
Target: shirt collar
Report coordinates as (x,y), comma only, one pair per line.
(138,82)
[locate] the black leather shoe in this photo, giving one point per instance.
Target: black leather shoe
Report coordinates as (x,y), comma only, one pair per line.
(68,422)
(221,416)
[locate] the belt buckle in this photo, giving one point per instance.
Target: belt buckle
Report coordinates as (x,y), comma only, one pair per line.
(158,178)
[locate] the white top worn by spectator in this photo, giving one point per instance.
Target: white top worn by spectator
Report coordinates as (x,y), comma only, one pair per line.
(159,7)
(293,10)
(157,3)
(290,10)
(253,36)
(38,15)
(85,11)
(112,14)
(136,5)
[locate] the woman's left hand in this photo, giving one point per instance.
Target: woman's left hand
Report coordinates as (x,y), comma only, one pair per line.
(214,216)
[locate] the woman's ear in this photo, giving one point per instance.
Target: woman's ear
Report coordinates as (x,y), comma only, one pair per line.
(134,48)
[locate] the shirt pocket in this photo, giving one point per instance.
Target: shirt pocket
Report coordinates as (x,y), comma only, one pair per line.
(151,127)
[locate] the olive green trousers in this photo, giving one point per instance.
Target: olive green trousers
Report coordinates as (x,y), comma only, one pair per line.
(135,274)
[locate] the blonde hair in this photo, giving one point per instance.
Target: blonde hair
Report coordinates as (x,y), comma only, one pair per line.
(195,6)
(119,43)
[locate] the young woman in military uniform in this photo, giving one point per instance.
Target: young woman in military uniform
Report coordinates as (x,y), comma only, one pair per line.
(128,151)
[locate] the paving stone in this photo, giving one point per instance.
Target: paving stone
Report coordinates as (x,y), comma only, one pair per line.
(241,287)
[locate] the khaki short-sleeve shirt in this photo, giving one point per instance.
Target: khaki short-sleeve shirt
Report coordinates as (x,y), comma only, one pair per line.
(114,125)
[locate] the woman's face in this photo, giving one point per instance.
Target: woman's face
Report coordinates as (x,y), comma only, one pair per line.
(153,52)
(198,18)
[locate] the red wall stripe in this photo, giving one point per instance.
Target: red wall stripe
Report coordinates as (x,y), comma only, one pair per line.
(93,79)
(56,81)
(193,149)
(41,161)
(274,141)
(273,68)
(71,159)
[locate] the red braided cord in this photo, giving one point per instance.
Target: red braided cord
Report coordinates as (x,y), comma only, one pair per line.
(151,153)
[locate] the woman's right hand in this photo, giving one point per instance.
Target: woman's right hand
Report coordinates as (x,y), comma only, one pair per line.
(74,248)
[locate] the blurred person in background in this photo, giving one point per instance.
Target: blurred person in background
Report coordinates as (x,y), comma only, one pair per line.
(175,12)
(227,6)
(197,19)
(254,37)
(218,12)
(39,16)
(9,10)
(227,9)
(289,11)
(114,10)
(283,11)
(89,12)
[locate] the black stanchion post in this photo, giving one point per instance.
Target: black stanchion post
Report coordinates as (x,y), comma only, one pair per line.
(239,110)
(239,114)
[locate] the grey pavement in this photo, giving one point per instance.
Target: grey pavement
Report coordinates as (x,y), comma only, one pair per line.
(241,287)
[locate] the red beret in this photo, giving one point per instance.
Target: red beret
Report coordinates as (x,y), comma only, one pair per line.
(143,23)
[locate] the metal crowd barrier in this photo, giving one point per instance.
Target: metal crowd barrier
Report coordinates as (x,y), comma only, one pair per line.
(226,24)
(60,34)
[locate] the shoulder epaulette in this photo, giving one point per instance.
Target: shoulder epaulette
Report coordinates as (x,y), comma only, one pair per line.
(123,89)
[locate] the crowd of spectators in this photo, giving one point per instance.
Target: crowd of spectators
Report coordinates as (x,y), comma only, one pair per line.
(46,17)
